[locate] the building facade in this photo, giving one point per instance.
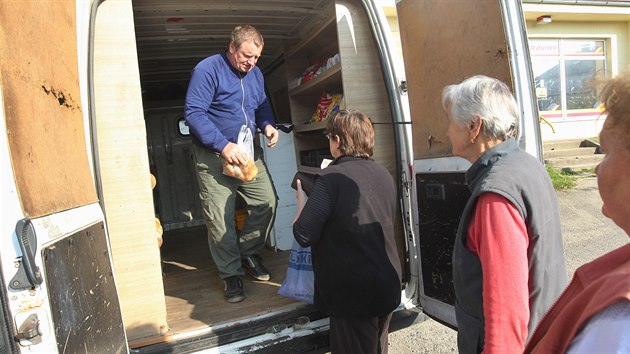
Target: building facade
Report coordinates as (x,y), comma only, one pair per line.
(575,45)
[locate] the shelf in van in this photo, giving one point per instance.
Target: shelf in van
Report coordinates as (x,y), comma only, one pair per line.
(321,38)
(308,169)
(330,77)
(299,128)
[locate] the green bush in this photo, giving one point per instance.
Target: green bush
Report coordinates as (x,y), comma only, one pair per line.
(561,180)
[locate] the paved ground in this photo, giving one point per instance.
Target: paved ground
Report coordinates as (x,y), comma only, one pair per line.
(587,234)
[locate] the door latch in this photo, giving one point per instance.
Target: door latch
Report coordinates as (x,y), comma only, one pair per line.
(29,330)
(28,274)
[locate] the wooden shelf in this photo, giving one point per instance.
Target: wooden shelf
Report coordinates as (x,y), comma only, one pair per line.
(326,80)
(321,44)
(309,169)
(309,127)
(317,39)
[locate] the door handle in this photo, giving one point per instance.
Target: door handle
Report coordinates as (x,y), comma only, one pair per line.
(28,274)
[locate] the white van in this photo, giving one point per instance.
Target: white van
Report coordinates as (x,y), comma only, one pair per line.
(92,105)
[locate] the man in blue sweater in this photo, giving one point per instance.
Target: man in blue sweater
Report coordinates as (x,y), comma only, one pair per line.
(226,96)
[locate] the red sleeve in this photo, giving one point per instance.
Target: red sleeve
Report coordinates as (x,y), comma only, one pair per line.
(497,233)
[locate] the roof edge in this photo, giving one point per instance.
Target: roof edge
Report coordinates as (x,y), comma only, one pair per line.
(580,2)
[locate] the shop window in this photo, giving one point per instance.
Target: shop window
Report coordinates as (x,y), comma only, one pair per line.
(580,91)
(565,71)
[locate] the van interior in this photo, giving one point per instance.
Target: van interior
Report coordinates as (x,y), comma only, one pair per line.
(172,36)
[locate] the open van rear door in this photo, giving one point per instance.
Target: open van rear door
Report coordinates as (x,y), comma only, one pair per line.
(444,42)
(57,290)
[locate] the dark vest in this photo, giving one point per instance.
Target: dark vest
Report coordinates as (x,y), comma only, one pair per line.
(356,264)
(520,178)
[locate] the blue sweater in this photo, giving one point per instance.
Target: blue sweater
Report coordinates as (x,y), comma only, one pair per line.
(220,99)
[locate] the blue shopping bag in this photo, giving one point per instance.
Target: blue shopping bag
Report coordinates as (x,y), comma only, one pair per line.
(299,282)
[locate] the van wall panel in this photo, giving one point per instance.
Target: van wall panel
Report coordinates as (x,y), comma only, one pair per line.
(43,112)
(124,170)
(444,42)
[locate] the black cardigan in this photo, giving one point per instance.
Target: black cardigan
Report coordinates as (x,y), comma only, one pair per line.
(348,221)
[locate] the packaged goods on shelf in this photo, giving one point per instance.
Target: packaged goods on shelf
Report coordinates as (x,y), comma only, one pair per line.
(332,61)
(318,68)
(312,71)
(327,105)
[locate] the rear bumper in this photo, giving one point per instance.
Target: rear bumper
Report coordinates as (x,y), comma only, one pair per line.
(272,336)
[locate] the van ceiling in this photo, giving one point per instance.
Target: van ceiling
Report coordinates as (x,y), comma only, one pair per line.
(172,36)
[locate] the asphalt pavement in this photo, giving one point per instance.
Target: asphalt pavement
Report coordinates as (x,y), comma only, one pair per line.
(587,234)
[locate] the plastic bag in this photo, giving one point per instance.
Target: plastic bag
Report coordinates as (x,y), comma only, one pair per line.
(299,282)
(245,141)
(248,171)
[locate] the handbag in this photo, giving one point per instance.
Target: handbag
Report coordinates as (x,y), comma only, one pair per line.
(299,282)
(307,179)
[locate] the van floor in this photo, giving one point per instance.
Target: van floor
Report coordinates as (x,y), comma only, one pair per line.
(194,291)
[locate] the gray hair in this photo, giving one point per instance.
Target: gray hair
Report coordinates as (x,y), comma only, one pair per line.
(486,98)
(246,33)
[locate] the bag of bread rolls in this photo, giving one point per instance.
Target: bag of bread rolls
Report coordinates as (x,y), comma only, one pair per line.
(246,172)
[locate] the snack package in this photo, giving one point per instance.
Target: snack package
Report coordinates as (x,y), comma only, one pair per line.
(312,71)
(248,171)
(326,106)
(322,106)
(336,104)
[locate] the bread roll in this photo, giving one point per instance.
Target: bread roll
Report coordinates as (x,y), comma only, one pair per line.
(246,172)
(250,171)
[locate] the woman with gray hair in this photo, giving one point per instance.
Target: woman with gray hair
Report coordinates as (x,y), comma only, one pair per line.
(508,258)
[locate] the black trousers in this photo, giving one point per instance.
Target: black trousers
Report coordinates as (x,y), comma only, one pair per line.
(359,336)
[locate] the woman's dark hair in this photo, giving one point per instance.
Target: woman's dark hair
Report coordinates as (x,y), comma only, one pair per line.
(355,132)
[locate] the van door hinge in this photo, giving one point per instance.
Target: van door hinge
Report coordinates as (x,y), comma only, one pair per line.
(29,330)
(28,274)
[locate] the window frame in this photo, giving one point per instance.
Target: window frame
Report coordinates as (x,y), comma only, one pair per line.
(609,63)
(182,127)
